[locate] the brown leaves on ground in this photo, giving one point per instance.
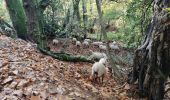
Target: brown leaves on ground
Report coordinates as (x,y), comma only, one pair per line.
(26,74)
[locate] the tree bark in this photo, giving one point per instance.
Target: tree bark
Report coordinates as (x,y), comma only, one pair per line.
(99,4)
(18,17)
(151,63)
(33,27)
(67,19)
(65,56)
(35,20)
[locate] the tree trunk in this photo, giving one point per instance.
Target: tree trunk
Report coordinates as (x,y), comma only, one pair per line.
(32,20)
(151,63)
(18,18)
(85,18)
(103,32)
(91,22)
(65,56)
(76,12)
(99,4)
(66,20)
(41,6)
(35,20)
(91,7)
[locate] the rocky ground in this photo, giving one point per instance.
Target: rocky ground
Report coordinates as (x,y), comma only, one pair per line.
(27,74)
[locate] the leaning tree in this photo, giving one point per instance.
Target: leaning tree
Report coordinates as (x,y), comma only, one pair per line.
(18,17)
(152,59)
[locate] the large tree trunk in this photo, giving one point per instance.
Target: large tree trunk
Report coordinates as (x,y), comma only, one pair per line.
(35,20)
(18,18)
(151,63)
(32,20)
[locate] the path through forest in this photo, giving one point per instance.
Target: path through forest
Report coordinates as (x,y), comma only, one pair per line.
(25,74)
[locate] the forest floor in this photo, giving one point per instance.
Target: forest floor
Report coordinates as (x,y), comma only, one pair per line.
(27,74)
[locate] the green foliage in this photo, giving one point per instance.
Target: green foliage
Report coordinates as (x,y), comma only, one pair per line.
(126,15)
(114,36)
(110,12)
(54,16)
(132,23)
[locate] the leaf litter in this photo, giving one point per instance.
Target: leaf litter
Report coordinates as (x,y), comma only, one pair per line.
(27,74)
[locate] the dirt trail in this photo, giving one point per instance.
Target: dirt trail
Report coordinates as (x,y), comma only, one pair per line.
(26,74)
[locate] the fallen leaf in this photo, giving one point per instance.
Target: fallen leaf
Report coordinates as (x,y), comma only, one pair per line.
(127,87)
(35,98)
(6,81)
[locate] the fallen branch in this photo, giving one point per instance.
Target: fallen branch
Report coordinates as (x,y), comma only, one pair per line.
(65,56)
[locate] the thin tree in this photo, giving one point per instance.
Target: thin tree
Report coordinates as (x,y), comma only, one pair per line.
(103,32)
(85,18)
(76,12)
